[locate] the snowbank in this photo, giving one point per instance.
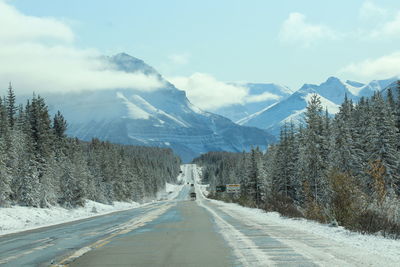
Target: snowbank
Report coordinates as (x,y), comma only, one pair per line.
(172,190)
(17,218)
(374,244)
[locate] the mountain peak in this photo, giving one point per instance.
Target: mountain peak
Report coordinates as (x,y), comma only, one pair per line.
(128,63)
(333,79)
(124,55)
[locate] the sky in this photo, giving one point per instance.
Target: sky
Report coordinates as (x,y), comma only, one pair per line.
(54,44)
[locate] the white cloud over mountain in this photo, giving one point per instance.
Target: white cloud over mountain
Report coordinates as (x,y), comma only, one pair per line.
(385,66)
(296,30)
(39,54)
(208,93)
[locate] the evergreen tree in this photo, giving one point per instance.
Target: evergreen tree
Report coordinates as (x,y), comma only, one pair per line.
(313,153)
(5,178)
(59,125)
(11,106)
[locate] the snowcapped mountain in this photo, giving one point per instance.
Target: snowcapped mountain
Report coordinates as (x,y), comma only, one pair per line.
(164,117)
(260,96)
(292,108)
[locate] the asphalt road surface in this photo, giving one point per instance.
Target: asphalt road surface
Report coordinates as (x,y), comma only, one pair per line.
(178,232)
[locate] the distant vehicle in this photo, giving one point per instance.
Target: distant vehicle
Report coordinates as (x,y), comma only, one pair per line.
(193,196)
(180,171)
(187,182)
(191,184)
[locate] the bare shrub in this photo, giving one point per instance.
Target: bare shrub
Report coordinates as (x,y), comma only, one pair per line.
(282,204)
(346,198)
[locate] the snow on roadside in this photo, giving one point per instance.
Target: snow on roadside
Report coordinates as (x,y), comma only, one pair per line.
(202,187)
(17,218)
(374,244)
(173,190)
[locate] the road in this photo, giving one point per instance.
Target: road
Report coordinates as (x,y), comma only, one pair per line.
(178,232)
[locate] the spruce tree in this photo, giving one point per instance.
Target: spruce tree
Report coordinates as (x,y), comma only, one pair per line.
(11,106)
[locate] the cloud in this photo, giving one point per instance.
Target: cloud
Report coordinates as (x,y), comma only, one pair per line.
(389,29)
(385,66)
(370,11)
(382,23)
(206,92)
(295,30)
(263,97)
(38,54)
(16,27)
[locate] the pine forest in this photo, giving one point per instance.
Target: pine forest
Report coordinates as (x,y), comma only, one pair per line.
(343,170)
(40,166)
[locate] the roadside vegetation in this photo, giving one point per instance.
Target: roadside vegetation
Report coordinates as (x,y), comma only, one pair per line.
(343,170)
(40,166)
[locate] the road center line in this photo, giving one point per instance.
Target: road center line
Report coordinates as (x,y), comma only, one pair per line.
(122,229)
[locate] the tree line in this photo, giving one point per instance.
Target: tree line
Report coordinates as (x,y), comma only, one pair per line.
(344,169)
(40,166)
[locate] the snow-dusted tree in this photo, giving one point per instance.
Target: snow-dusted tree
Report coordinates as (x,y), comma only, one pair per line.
(28,192)
(313,153)
(383,138)
(59,125)
(5,178)
(74,177)
(344,155)
(255,176)
(50,182)
(11,105)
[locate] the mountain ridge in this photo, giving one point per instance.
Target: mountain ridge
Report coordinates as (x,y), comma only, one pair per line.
(163,117)
(292,108)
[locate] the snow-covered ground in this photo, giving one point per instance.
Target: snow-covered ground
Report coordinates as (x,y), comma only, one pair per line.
(172,190)
(376,245)
(17,218)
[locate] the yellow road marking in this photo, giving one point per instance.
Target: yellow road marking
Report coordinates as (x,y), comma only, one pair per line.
(127,227)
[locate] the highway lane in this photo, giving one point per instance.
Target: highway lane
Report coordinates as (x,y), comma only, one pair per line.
(185,235)
(45,246)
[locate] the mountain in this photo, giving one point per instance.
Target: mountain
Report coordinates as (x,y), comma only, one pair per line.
(292,108)
(164,117)
(260,96)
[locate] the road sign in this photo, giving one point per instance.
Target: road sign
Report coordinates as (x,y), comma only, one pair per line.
(233,188)
(220,188)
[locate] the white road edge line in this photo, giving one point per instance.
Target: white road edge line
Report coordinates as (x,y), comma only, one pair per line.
(235,238)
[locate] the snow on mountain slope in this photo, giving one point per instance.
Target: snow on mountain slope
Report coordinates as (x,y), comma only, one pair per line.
(290,109)
(260,96)
(134,111)
(376,85)
(163,117)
